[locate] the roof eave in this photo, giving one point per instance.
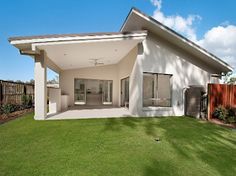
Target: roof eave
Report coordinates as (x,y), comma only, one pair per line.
(51,38)
(178,36)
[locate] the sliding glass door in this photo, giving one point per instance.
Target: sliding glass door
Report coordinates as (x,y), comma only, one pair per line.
(92,92)
(107,92)
(125,92)
(80,91)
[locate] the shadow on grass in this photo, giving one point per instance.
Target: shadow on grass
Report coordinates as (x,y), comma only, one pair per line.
(149,124)
(203,142)
(119,123)
(160,168)
(190,139)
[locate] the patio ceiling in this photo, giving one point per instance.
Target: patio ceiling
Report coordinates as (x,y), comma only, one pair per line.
(80,55)
(82,50)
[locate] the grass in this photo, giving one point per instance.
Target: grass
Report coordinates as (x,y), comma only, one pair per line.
(124,146)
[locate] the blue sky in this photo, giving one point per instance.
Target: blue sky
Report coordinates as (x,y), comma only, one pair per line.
(208,21)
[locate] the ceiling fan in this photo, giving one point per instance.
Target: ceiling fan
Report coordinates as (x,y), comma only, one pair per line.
(96,62)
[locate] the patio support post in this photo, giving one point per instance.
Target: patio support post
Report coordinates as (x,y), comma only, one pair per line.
(40,76)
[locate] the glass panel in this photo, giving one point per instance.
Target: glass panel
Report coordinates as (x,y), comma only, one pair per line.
(127,89)
(156,90)
(110,90)
(164,90)
(80,95)
(124,91)
(148,89)
(93,92)
(107,92)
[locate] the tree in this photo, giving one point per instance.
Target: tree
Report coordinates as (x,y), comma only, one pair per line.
(19,81)
(232,80)
(30,81)
(54,80)
(226,77)
(229,78)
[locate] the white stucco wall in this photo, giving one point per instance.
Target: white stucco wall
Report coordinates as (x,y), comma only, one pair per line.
(156,56)
(125,67)
(160,57)
(40,91)
(54,100)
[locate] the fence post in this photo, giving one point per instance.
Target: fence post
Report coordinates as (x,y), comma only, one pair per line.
(24,93)
(209,102)
(231,93)
(1,96)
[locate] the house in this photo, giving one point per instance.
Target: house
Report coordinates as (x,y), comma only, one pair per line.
(146,67)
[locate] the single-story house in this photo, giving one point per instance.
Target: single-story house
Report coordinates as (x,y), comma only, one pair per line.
(145,67)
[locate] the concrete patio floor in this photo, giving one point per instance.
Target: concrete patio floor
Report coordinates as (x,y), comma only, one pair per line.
(86,112)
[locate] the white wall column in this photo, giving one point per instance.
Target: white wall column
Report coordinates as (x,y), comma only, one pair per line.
(40,91)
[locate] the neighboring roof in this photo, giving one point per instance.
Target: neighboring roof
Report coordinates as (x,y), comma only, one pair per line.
(59,36)
(176,35)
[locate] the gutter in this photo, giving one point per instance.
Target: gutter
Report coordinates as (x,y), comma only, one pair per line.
(29,53)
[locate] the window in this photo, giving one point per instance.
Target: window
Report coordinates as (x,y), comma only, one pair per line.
(156,90)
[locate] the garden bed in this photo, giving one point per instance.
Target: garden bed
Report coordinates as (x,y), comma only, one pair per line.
(224,116)
(221,123)
(5,118)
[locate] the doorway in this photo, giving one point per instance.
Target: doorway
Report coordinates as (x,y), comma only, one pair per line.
(125,92)
(92,92)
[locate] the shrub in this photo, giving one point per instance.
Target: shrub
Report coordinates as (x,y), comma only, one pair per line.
(8,108)
(231,119)
(26,101)
(231,111)
(231,115)
(220,113)
(227,115)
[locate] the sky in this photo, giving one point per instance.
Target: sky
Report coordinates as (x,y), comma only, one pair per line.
(211,24)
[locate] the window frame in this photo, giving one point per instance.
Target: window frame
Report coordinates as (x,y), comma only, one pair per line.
(171,89)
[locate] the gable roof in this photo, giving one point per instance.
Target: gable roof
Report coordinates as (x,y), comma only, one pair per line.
(137,20)
(136,24)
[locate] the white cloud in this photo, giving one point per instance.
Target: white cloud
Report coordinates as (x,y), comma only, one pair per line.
(220,40)
(157,3)
(180,24)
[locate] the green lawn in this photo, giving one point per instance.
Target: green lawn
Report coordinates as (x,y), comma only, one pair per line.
(124,146)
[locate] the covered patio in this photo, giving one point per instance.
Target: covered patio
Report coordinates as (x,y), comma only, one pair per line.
(90,69)
(86,112)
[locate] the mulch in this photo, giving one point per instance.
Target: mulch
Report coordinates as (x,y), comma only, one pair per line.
(221,123)
(14,115)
